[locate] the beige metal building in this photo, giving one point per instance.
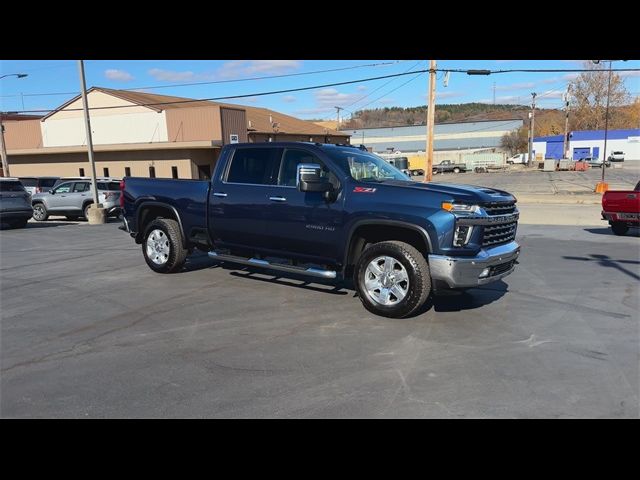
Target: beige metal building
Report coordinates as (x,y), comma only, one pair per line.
(144,134)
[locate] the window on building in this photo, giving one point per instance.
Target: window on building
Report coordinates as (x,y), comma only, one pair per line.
(81,172)
(152,172)
(105,171)
(258,166)
(174,172)
(127,172)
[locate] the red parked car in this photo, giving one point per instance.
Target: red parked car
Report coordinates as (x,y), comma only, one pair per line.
(622,209)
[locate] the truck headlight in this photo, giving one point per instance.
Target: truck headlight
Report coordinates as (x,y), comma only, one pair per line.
(459,207)
(462,235)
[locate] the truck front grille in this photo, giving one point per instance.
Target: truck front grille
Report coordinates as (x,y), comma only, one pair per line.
(499,208)
(498,234)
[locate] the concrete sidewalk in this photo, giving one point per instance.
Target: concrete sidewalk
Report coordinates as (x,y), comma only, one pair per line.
(559,199)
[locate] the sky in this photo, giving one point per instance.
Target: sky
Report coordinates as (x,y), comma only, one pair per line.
(50,83)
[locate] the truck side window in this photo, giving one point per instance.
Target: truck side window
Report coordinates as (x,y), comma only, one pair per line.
(80,187)
(290,161)
(258,166)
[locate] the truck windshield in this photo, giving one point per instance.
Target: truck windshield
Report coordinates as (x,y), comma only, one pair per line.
(365,166)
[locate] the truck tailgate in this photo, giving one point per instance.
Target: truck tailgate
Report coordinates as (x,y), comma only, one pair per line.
(621,201)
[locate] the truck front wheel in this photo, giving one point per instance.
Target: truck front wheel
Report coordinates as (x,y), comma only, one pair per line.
(162,246)
(392,279)
(619,228)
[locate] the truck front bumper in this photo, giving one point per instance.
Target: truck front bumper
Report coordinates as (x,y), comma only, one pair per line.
(490,265)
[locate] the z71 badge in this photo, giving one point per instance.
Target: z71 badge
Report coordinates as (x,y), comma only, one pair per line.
(364,190)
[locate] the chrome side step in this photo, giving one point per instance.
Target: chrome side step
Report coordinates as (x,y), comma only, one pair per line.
(255,262)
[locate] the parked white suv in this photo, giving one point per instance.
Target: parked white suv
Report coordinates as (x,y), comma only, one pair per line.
(616,157)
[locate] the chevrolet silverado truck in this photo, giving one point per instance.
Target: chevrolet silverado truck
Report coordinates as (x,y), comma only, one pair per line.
(448,166)
(333,212)
(622,209)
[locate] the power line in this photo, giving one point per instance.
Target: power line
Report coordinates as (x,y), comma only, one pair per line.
(229,97)
(228,81)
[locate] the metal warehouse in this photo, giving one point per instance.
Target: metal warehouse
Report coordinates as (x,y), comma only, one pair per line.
(143,134)
(447,136)
(590,143)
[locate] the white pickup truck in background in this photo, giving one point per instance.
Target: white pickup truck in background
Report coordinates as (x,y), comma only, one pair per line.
(518,158)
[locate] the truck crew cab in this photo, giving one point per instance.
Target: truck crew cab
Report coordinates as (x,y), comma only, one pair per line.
(333,212)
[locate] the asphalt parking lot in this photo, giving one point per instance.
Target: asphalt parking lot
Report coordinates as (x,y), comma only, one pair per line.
(538,182)
(89,331)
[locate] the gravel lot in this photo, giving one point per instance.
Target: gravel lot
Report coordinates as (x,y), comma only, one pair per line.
(89,331)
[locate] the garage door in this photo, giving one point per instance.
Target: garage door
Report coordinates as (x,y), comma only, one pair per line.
(579,153)
(554,150)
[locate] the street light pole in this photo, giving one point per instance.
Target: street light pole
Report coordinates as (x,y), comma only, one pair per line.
(606,123)
(3,147)
(98,217)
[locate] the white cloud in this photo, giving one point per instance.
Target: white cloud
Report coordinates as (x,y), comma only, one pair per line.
(312,111)
(570,76)
(361,88)
(330,97)
(629,74)
(171,75)
(118,75)
(515,86)
(241,68)
(289,99)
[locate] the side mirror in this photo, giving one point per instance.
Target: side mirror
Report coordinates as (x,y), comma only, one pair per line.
(52,192)
(309,178)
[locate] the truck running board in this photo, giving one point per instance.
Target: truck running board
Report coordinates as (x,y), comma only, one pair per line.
(255,262)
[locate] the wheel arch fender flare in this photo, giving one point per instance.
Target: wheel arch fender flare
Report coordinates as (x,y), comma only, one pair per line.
(384,222)
(153,203)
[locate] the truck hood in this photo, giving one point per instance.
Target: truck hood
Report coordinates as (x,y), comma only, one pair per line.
(457,192)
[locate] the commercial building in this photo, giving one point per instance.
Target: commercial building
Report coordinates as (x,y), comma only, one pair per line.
(144,134)
(590,144)
(447,136)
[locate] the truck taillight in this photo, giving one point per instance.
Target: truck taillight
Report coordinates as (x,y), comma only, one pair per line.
(121,193)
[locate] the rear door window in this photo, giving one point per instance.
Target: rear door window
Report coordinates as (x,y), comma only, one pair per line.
(80,187)
(29,182)
(11,186)
(257,166)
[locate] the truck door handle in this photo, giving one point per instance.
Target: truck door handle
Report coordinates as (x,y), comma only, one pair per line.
(278,199)
(631,195)
(219,194)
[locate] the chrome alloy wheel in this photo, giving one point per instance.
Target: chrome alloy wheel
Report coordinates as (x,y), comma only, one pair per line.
(158,247)
(38,212)
(386,281)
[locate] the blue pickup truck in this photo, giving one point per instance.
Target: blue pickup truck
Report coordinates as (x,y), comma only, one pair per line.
(334,212)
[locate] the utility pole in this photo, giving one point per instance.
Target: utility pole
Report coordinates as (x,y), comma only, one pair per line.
(3,151)
(100,217)
(494,93)
(3,147)
(603,187)
(532,127)
(565,146)
(431,116)
(338,110)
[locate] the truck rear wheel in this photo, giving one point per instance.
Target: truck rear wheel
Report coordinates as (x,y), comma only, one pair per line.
(392,279)
(619,228)
(162,246)
(456,170)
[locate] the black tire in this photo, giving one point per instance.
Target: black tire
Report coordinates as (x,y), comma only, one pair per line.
(85,210)
(73,218)
(619,228)
(456,170)
(417,270)
(177,253)
(40,213)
